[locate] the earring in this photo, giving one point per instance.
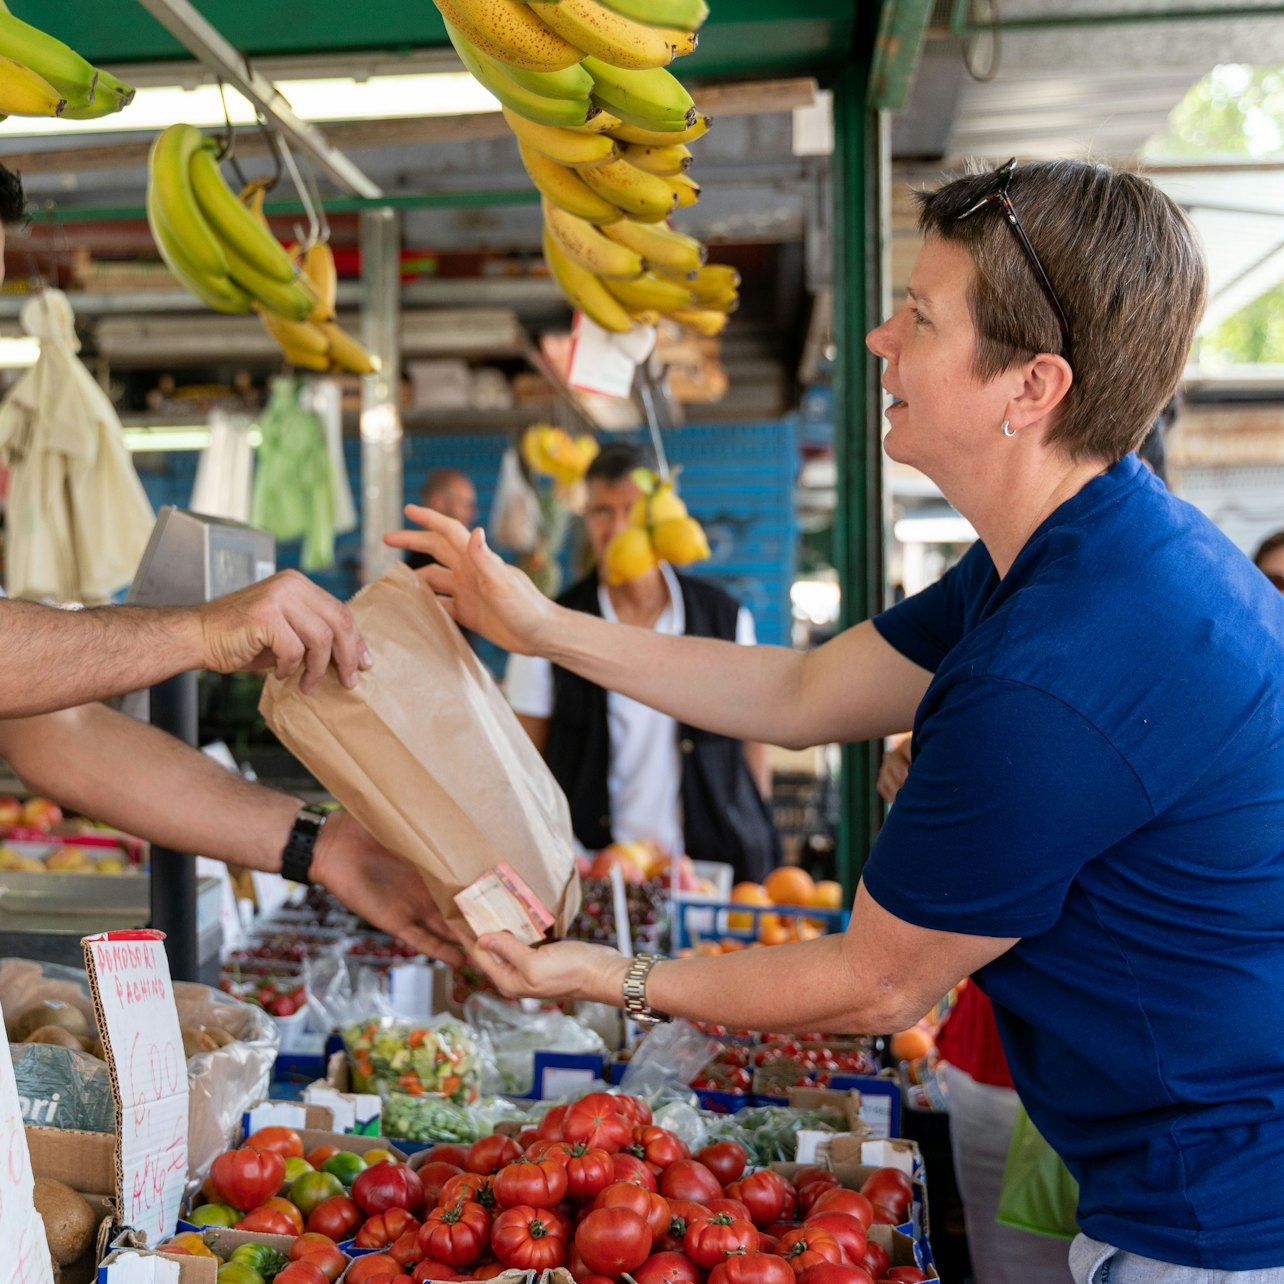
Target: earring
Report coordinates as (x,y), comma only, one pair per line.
(1008,430)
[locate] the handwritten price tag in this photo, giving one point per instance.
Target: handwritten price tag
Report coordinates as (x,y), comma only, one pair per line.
(134,998)
(21,1231)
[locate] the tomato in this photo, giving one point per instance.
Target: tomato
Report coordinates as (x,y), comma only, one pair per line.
(319,1154)
(405,1248)
(367,1267)
(874,1260)
(761,1195)
(841,1200)
(490,1154)
(338,1217)
(385,1185)
(528,1239)
(910,1273)
(446,1154)
(322,1252)
(290,1210)
(891,1188)
(736,1207)
(630,1168)
(550,1127)
(710,1240)
(589,1169)
(634,1109)
(302,1272)
(596,1119)
(213,1215)
(668,1268)
(384,1228)
(652,1208)
(245,1178)
(682,1212)
(726,1160)
(788,1193)
(809,1246)
(831,1273)
(809,1192)
(457,1235)
(427,1269)
(541,1184)
(849,1231)
(345,1165)
(285,1141)
(433,1176)
(689,1179)
(309,1189)
(468,1187)
(189,1242)
(268,1221)
(752,1268)
(658,1146)
(613,1240)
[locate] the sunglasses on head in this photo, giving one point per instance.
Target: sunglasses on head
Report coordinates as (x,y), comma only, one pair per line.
(999,196)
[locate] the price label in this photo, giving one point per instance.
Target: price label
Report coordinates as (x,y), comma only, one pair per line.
(134,1001)
(21,1231)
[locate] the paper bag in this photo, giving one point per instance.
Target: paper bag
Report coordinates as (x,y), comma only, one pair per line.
(427,755)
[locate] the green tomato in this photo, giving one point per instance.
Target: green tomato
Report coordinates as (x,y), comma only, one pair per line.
(309,1189)
(296,1167)
(213,1215)
(345,1166)
(238,1273)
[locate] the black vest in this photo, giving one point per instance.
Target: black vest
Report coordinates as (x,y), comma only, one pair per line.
(724,817)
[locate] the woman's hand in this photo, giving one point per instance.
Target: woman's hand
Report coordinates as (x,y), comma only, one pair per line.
(563,970)
(477,587)
(894,770)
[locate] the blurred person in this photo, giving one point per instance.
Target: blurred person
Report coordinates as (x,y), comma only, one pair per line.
(446,490)
(1269,559)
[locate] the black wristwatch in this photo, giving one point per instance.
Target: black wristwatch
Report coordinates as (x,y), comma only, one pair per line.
(296,859)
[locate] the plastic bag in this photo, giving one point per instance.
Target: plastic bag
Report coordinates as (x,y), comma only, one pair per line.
(516,1035)
(1038,1194)
(672,1053)
(429,1058)
(339,994)
(514,513)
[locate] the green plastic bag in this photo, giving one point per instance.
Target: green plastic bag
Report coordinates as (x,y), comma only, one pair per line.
(1038,1193)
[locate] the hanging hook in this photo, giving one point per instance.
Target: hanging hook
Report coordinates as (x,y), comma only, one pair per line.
(647,390)
(314,223)
(314,190)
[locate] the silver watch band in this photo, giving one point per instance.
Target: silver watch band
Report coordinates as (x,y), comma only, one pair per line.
(635,1003)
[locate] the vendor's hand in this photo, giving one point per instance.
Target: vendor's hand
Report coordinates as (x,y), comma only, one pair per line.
(563,970)
(894,770)
(477,587)
(282,623)
(385,890)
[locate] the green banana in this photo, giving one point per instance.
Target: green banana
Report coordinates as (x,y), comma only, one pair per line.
(232,222)
(289,299)
(565,188)
(571,82)
(220,292)
(688,15)
(58,63)
(652,99)
(170,178)
(109,84)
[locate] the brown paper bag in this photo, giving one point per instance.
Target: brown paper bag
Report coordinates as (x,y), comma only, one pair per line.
(427,755)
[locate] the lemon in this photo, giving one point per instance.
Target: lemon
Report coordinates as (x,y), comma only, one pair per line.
(629,556)
(651,510)
(680,540)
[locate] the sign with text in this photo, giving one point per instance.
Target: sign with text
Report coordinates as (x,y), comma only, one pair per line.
(22,1233)
(134,1001)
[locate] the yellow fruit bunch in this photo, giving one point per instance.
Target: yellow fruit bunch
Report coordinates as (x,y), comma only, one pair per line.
(659,530)
(41,76)
(603,129)
(553,452)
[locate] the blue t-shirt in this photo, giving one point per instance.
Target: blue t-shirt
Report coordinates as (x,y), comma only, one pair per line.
(1099,770)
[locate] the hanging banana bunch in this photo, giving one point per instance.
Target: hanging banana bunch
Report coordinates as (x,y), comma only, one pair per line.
(603,129)
(42,76)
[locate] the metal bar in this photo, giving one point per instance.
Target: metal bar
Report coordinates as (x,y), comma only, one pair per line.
(960,26)
(896,53)
(194,32)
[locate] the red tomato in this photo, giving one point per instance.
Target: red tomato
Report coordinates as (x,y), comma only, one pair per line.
(405,1249)
(596,1119)
(541,1184)
(840,1200)
(810,1191)
(491,1153)
(526,1137)
(726,1160)
(891,1188)
(632,1169)
(338,1217)
(446,1154)
(302,1272)
(384,1228)
(710,1240)
(322,1252)
(788,1193)
(809,1246)
(528,1239)
(245,1178)
(761,1195)
(613,1240)
(589,1170)
(849,1231)
(752,1268)
(426,1269)
(658,1146)
(829,1273)
(884,1216)
(736,1207)
(682,1212)
(457,1235)
(910,1273)
(433,1176)
(668,1268)
(550,1127)
(466,1187)
(365,1268)
(652,1208)
(874,1260)
(633,1109)
(595,1279)
(290,1210)
(385,1185)
(267,1221)
(319,1154)
(285,1141)
(689,1179)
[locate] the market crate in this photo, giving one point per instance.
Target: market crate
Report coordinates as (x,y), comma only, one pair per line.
(692,915)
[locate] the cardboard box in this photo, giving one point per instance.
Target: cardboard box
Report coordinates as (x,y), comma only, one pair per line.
(901,1250)
(85,1161)
(852,1176)
(356,1112)
(193,1270)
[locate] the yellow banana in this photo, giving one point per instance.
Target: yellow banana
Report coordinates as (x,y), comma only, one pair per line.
(727,303)
(600,122)
(687,14)
(318,267)
(565,188)
(301,336)
(703,321)
(683,42)
(653,99)
(57,63)
(610,36)
(665,250)
(649,292)
(583,243)
(24,92)
(291,299)
(216,290)
(169,176)
(571,147)
(643,196)
(687,190)
(584,290)
(511,32)
(232,222)
(664,161)
(627,133)
(347,353)
(714,279)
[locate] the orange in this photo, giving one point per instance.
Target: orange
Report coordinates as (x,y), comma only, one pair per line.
(789,885)
(746,894)
(773,930)
(910,1044)
(827,894)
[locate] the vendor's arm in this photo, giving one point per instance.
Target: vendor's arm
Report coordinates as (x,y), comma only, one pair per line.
(132,776)
(56,659)
(853,688)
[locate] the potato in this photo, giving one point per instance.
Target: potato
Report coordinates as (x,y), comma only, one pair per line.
(50,1012)
(68,1219)
(220,1036)
(56,1035)
(197,1041)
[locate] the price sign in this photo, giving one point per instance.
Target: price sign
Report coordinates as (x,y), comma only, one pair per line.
(134,1001)
(21,1231)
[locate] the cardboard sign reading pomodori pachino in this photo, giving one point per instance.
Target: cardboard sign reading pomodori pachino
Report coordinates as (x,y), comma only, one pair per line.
(22,1233)
(134,1001)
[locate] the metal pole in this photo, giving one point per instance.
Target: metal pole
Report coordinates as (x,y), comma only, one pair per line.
(382,486)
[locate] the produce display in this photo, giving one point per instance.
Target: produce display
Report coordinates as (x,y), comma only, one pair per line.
(394,1056)
(42,76)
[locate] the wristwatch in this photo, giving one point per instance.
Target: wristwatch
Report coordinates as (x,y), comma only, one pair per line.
(635,1003)
(296,859)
